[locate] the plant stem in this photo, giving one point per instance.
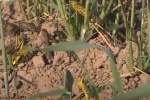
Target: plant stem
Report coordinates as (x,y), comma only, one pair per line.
(107,9)
(5,73)
(124,18)
(148,13)
(86,20)
(130,51)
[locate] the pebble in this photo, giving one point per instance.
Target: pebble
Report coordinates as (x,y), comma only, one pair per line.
(38,61)
(21,65)
(42,39)
(136,79)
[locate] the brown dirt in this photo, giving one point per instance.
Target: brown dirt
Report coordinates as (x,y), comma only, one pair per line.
(45,72)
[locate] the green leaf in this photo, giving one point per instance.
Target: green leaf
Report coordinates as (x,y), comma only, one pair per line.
(68,80)
(135,93)
(86,20)
(58,92)
(94,91)
(69,46)
(5,71)
(148,32)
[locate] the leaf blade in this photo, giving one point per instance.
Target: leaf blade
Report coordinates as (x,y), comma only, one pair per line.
(58,92)
(138,92)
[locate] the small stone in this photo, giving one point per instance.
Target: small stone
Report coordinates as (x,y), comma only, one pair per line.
(39,54)
(21,65)
(57,38)
(136,79)
(38,61)
(43,36)
(42,39)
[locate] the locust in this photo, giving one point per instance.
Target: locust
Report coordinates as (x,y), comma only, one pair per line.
(22,50)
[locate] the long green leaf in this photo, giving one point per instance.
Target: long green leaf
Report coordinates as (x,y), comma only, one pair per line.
(5,73)
(61,9)
(124,18)
(58,92)
(68,82)
(86,20)
(148,14)
(76,45)
(70,29)
(107,10)
(135,93)
(69,46)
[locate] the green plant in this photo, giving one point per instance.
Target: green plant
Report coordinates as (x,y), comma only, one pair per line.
(76,18)
(148,14)
(83,28)
(70,26)
(81,20)
(141,91)
(143,38)
(34,10)
(129,32)
(5,72)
